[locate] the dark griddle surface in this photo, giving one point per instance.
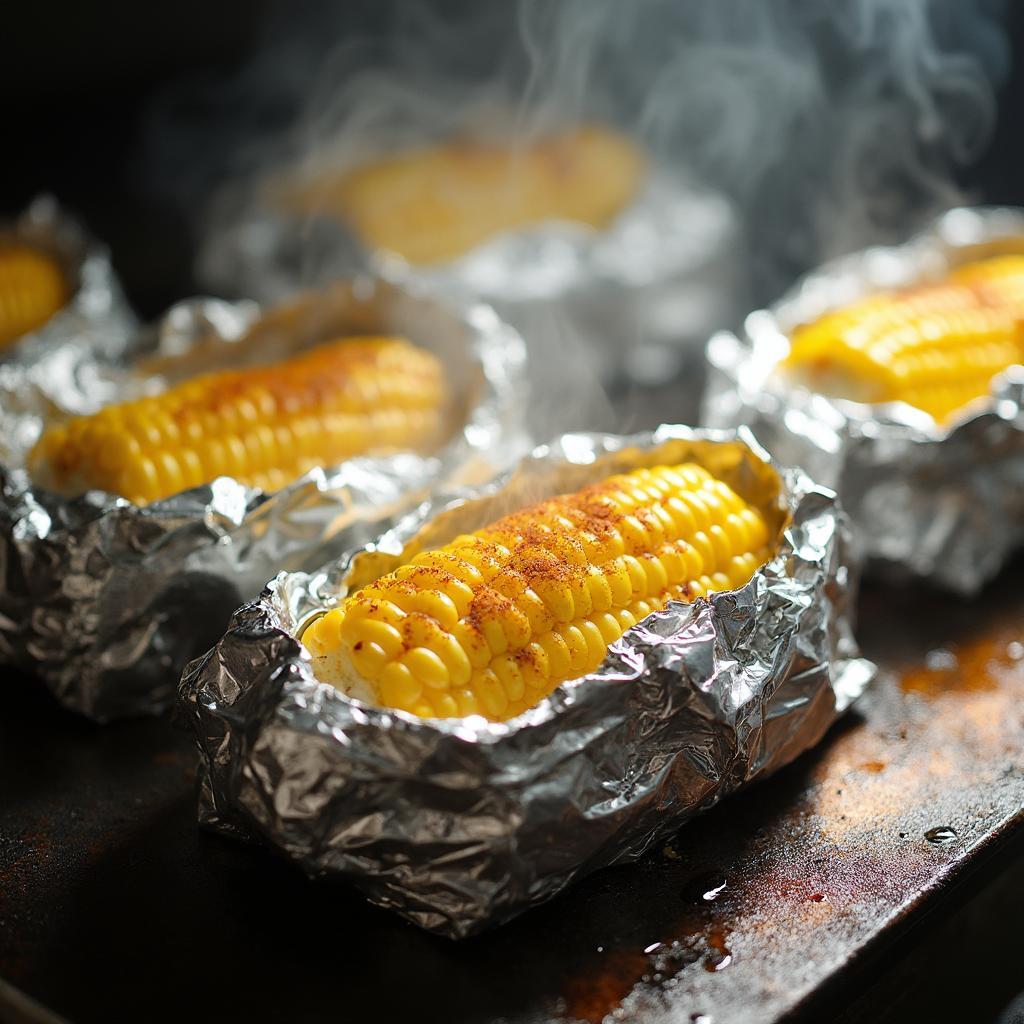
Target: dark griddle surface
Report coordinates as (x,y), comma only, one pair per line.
(114,907)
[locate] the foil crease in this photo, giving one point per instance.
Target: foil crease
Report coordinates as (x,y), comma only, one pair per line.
(107,601)
(460,824)
(938,503)
(665,273)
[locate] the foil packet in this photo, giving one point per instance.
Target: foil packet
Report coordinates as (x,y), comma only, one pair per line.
(459,824)
(937,503)
(107,601)
(96,318)
(663,275)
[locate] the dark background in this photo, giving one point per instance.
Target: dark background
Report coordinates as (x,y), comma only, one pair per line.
(81,83)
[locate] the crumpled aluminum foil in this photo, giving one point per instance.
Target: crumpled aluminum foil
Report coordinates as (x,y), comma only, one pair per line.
(938,503)
(107,601)
(97,316)
(459,824)
(663,276)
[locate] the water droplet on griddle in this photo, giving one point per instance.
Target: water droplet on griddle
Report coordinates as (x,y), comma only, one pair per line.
(705,888)
(713,892)
(720,956)
(717,961)
(941,835)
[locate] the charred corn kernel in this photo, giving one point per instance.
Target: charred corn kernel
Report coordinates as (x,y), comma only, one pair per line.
(436,203)
(32,288)
(496,620)
(323,406)
(936,346)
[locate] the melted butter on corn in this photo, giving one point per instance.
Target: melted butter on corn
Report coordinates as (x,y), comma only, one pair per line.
(437,202)
(495,620)
(32,289)
(936,346)
(264,426)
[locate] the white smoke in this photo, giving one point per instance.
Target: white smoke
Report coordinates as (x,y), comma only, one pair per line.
(830,124)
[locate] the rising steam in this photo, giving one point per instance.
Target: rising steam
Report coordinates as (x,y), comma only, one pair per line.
(829,124)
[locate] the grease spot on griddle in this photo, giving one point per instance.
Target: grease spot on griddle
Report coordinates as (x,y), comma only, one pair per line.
(592,996)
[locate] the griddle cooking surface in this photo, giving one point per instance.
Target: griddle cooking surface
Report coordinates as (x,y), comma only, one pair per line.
(113,906)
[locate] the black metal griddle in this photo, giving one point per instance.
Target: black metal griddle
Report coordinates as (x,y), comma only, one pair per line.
(834,888)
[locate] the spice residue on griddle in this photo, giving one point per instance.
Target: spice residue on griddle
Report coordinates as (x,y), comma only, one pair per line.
(976,666)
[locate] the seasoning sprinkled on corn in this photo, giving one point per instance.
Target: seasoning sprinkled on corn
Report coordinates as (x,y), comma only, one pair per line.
(436,203)
(936,346)
(494,621)
(264,426)
(32,288)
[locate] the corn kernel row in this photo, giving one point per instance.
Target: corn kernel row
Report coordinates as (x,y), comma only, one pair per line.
(264,426)
(936,346)
(437,202)
(493,621)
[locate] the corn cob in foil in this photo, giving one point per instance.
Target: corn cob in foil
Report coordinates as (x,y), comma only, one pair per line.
(263,426)
(495,620)
(436,203)
(934,346)
(32,288)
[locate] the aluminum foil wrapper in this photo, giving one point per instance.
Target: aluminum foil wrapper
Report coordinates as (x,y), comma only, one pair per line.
(107,601)
(940,503)
(664,275)
(96,320)
(458,824)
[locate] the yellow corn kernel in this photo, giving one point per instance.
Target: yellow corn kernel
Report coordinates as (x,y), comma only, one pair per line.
(436,203)
(538,613)
(32,288)
(935,346)
(323,406)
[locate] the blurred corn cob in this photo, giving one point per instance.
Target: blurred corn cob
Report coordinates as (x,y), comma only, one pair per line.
(495,620)
(936,347)
(436,203)
(32,289)
(264,426)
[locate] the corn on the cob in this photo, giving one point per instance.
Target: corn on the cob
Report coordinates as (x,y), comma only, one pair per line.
(263,426)
(998,281)
(32,289)
(495,620)
(436,203)
(936,347)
